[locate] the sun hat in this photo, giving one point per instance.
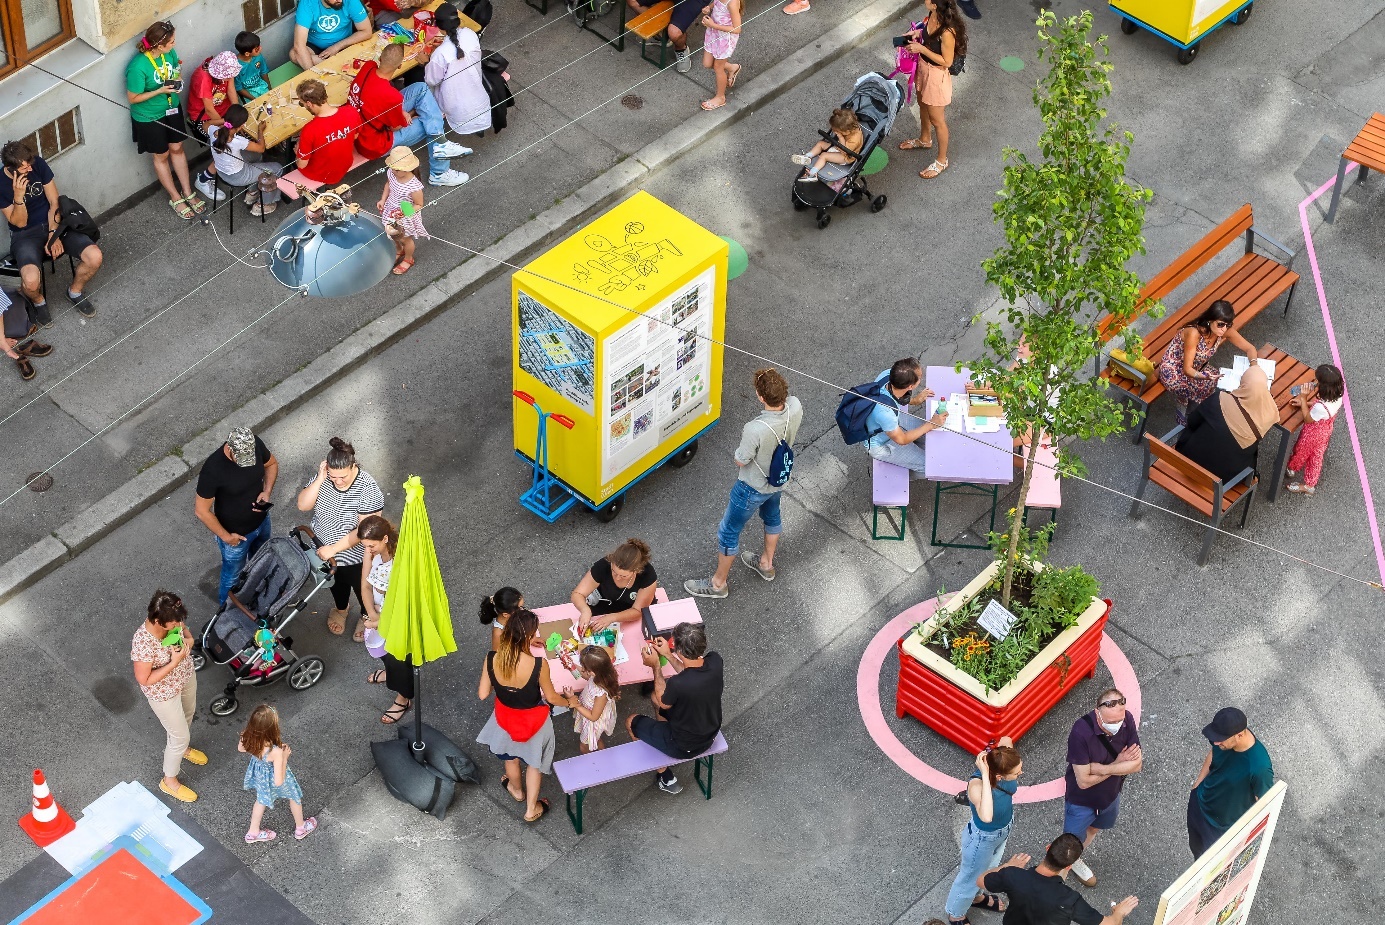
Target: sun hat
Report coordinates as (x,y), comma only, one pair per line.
(401,157)
(242,444)
(224,65)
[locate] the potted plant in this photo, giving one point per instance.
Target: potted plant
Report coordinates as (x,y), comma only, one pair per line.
(1071,223)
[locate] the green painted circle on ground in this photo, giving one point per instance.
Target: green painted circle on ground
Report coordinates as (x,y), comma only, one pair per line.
(1012,64)
(737,261)
(877,161)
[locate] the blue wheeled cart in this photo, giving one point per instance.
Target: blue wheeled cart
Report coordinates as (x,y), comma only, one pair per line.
(1181,23)
(550,497)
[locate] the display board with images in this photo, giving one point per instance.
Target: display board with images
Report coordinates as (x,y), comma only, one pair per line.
(557,353)
(657,375)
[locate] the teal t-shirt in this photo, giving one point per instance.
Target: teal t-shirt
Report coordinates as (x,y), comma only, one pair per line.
(327,26)
(146,72)
(1235,782)
(254,76)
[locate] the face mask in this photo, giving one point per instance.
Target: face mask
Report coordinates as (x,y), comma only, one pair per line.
(1113,728)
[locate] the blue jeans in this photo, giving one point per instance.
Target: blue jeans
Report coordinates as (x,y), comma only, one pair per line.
(1077,819)
(233,557)
(426,123)
(980,852)
(739,509)
(908,455)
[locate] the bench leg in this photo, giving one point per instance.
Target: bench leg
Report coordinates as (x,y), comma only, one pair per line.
(1290,300)
(1337,190)
(1250,502)
(1144,420)
(1211,535)
(1136,506)
(706,788)
(577,816)
(1361,172)
(1286,442)
(875,523)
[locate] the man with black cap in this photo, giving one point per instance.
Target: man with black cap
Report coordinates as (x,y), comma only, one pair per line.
(1235,773)
(233,491)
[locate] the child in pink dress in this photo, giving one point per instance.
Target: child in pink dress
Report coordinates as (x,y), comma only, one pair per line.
(1318,405)
(402,185)
(723,21)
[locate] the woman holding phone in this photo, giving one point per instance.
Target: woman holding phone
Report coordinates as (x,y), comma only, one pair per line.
(160,651)
(153,80)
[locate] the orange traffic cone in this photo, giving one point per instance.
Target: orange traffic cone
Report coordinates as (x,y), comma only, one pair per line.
(49,821)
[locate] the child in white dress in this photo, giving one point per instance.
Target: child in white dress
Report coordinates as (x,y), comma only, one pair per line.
(399,206)
(594,707)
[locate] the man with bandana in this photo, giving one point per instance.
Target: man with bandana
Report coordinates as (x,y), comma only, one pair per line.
(1103,750)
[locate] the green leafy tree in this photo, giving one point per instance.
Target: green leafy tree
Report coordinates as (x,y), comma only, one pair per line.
(1071,223)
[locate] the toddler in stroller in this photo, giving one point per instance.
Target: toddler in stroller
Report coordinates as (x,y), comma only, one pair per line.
(842,149)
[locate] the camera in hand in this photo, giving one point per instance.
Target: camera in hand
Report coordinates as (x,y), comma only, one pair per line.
(174,85)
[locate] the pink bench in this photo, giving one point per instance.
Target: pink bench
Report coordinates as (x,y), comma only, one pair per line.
(889,491)
(606,765)
(1045,492)
(288,183)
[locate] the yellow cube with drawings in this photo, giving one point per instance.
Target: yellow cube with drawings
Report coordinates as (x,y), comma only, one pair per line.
(619,328)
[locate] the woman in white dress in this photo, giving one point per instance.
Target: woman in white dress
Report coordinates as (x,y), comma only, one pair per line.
(454,74)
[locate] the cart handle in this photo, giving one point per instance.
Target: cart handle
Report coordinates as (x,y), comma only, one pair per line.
(524,397)
(563,419)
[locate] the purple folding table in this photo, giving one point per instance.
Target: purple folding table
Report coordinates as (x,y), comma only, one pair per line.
(970,463)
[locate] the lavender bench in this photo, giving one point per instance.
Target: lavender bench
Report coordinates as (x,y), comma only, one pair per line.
(577,775)
(889,491)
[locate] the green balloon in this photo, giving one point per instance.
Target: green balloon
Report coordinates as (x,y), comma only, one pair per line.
(737,261)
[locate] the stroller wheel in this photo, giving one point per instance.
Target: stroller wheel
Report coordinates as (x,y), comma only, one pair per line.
(878,204)
(224,706)
(306,673)
(199,659)
(824,221)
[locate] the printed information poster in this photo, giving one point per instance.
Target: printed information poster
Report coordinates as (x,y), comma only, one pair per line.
(657,370)
(555,352)
(1219,887)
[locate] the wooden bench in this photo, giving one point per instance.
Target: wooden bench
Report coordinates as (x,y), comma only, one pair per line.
(650,25)
(1045,491)
(1251,284)
(284,73)
(1366,149)
(288,183)
(1194,485)
(889,492)
(607,765)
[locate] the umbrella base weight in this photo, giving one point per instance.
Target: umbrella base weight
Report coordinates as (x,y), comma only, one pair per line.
(428,786)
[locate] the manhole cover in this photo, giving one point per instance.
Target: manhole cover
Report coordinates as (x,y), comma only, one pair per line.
(631,101)
(39,482)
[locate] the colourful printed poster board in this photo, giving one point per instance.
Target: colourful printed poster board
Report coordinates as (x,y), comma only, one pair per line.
(619,327)
(119,890)
(1220,886)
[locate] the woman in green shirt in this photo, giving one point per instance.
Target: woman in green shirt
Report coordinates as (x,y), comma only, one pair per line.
(152,81)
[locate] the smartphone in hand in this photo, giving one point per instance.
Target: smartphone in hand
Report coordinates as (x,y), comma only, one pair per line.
(900,41)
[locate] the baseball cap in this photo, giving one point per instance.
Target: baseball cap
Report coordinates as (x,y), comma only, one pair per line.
(1228,722)
(242,444)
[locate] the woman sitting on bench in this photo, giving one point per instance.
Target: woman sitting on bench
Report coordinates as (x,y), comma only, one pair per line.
(1183,370)
(1224,432)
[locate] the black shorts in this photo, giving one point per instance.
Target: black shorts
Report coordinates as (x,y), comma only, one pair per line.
(348,581)
(685,13)
(652,732)
(27,246)
(155,137)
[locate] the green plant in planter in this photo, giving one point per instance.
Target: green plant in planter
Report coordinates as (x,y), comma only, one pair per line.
(1071,223)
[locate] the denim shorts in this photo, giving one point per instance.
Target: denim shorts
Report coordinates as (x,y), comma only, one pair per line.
(743,504)
(1077,819)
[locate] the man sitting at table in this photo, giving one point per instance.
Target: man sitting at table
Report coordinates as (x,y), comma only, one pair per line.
(325,146)
(689,703)
(392,118)
(892,434)
(324,27)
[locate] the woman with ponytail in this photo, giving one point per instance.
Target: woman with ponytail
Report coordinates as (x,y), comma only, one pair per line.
(153,81)
(989,794)
(454,74)
(496,610)
(238,163)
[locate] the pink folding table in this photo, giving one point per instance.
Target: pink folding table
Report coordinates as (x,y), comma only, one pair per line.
(667,614)
(970,463)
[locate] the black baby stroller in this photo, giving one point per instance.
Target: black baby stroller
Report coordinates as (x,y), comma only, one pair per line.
(876,101)
(248,635)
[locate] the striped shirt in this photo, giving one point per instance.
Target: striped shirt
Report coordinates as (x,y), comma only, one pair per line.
(338,512)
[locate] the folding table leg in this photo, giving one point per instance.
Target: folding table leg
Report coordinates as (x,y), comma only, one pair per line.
(697,775)
(576,817)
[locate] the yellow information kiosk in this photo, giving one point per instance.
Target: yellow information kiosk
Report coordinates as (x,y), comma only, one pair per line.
(617,354)
(1183,23)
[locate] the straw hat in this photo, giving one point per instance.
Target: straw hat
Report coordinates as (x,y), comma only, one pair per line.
(401,157)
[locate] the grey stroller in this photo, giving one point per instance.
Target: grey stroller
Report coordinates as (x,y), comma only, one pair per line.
(876,100)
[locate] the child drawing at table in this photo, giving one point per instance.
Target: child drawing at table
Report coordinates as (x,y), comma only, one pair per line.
(594,708)
(402,223)
(269,776)
(722,18)
(1318,405)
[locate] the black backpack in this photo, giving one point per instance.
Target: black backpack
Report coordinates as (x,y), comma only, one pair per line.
(480,11)
(959,64)
(855,408)
(780,461)
(74,218)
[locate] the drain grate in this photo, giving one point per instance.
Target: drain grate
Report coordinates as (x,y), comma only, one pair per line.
(631,101)
(39,482)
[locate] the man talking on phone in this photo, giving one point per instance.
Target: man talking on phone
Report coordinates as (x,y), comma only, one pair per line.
(233,491)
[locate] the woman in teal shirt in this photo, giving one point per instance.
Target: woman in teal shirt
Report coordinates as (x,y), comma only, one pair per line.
(989,795)
(152,82)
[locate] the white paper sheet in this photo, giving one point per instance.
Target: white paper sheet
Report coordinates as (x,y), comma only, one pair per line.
(1231,378)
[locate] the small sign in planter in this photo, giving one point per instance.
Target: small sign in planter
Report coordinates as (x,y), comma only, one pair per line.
(996,620)
(960,708)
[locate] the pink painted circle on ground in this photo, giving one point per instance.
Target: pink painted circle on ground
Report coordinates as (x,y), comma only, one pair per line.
(868,699)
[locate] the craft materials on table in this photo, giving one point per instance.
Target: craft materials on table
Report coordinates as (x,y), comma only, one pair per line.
(1230,379)
(126,810)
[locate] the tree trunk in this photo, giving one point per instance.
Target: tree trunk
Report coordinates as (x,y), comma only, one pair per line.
(1017,521)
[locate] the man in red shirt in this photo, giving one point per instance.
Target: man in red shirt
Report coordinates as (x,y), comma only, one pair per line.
(410,118)
(325,144)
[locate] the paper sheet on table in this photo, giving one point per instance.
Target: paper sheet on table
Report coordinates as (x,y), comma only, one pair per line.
(987,425)
(1231,378)
(956,408)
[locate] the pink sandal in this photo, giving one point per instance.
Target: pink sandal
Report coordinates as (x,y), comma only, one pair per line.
(261,835)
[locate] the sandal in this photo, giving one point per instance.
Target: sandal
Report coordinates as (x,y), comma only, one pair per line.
(988,901)
(336,625)
(704,105)
(395,713)
(261,835)
(308,827)
(199,205)
(26,368)
(934,169)
(376,677)
(543,811)
(731,77)
(182,208)
(358,634)
(402,267)
(915,144)
(505,782)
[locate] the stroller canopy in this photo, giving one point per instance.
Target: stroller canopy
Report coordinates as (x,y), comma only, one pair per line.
(274,577)
(876,100)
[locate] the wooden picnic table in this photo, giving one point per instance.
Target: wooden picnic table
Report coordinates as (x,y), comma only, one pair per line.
(336,73)
(1366,149)
(1288,373)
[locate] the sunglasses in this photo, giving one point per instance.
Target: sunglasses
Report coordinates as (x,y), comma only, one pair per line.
(1112,703)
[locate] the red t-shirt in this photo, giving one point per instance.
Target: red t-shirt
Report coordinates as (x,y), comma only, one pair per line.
(381,108)
(202,86)
(383,6)
(327,143)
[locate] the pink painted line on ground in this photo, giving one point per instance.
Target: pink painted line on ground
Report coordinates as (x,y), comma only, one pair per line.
(1337,361)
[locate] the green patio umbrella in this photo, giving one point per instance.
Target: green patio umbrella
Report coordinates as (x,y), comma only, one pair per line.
(417,625)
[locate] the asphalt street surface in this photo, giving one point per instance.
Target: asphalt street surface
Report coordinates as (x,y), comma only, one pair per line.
(810,821)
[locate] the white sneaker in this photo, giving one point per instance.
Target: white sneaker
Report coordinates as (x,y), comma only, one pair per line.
(801,160)
(682,61)
(450,149)
(208,188)
(451,178)
(1082,872)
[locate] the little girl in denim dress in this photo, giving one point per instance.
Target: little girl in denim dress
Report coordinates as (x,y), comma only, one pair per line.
(269,776)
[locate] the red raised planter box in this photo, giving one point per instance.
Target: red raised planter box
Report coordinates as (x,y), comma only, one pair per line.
(958,707)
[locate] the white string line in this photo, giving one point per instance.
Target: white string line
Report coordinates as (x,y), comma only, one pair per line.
(1012,453)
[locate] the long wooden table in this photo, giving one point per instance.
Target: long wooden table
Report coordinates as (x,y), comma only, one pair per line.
(288,117)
